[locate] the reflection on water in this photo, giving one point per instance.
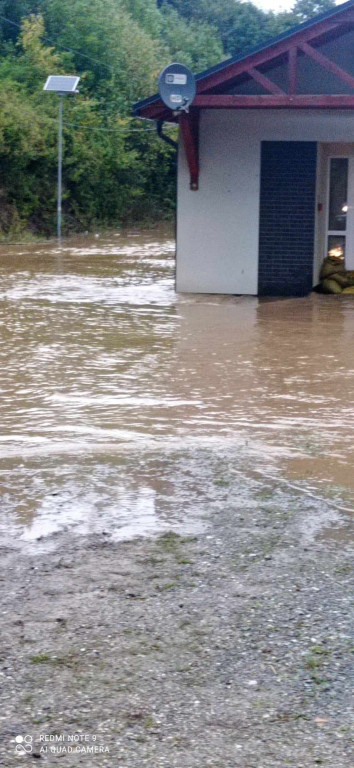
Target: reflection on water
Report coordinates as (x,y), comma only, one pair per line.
(122,403)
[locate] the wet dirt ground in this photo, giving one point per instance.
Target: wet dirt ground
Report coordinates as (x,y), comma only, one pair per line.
(176,500)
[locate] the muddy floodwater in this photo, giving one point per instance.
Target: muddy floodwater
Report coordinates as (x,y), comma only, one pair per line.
(176,528)
(124,406)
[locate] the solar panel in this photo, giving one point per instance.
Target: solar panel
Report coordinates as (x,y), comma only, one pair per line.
(61,83)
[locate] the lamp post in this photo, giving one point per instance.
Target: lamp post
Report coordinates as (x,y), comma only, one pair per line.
(63,85)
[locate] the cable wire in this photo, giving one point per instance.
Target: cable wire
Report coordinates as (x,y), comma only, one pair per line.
(105,130)
(58,45)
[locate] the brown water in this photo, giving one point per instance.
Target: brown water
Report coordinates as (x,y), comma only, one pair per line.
(127,408)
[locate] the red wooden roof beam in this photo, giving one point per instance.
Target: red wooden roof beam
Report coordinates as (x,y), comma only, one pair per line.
(189,127)
(288,101)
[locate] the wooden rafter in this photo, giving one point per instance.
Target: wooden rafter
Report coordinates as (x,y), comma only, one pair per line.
(223,76)
(267,84)
(292,63)
(329,65)
(189,127)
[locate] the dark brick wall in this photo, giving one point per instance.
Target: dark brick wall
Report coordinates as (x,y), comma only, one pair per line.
(287,218)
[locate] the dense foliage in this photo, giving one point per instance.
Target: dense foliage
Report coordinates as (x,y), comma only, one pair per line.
(115,168)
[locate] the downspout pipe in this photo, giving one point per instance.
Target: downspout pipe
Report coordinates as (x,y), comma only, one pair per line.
(167,139)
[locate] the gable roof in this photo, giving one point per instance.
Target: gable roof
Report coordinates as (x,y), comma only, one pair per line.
(205,78)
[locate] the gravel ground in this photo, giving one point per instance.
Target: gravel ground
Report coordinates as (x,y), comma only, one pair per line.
(233,648)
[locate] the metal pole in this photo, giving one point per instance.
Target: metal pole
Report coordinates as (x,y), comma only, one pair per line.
(60,165)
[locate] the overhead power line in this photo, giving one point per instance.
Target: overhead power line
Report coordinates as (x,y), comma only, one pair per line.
(63,47)
(99,128)
(123,129)
(110,130)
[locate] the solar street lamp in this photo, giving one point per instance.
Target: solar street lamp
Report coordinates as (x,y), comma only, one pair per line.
(62,85)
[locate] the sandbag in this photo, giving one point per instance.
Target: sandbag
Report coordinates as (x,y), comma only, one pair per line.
(331,266)
(342,279)
(349,290)
(331,286)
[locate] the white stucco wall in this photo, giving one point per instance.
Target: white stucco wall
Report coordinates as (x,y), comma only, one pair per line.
(217,226)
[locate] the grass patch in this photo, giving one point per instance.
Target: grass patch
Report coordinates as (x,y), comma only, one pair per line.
(40,658)
(150,723)
(164,587)
(68,660)
(169,541)
(316,657)
(188,539)
(319,650)
(153,560)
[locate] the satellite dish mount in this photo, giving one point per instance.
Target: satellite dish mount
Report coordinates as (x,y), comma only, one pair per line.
(177,89)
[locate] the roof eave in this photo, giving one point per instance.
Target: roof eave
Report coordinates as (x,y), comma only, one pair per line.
(140,106)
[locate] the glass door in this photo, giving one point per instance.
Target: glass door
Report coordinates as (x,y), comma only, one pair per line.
(337,218)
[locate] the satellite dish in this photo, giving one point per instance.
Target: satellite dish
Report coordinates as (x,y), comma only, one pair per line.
(177,87)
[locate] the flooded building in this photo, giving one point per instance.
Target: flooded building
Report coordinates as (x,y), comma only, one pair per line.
(266,163)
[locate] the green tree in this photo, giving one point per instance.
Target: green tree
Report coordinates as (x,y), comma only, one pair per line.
(307,9)
(114,169)
(239,25)
(196,44)
(120,58)
(146,13)
(11,14)
(242,25)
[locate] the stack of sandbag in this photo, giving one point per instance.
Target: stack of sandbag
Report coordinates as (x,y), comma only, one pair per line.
(334,278)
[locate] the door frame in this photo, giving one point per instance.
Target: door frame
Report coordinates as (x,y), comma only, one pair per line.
(326,151)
